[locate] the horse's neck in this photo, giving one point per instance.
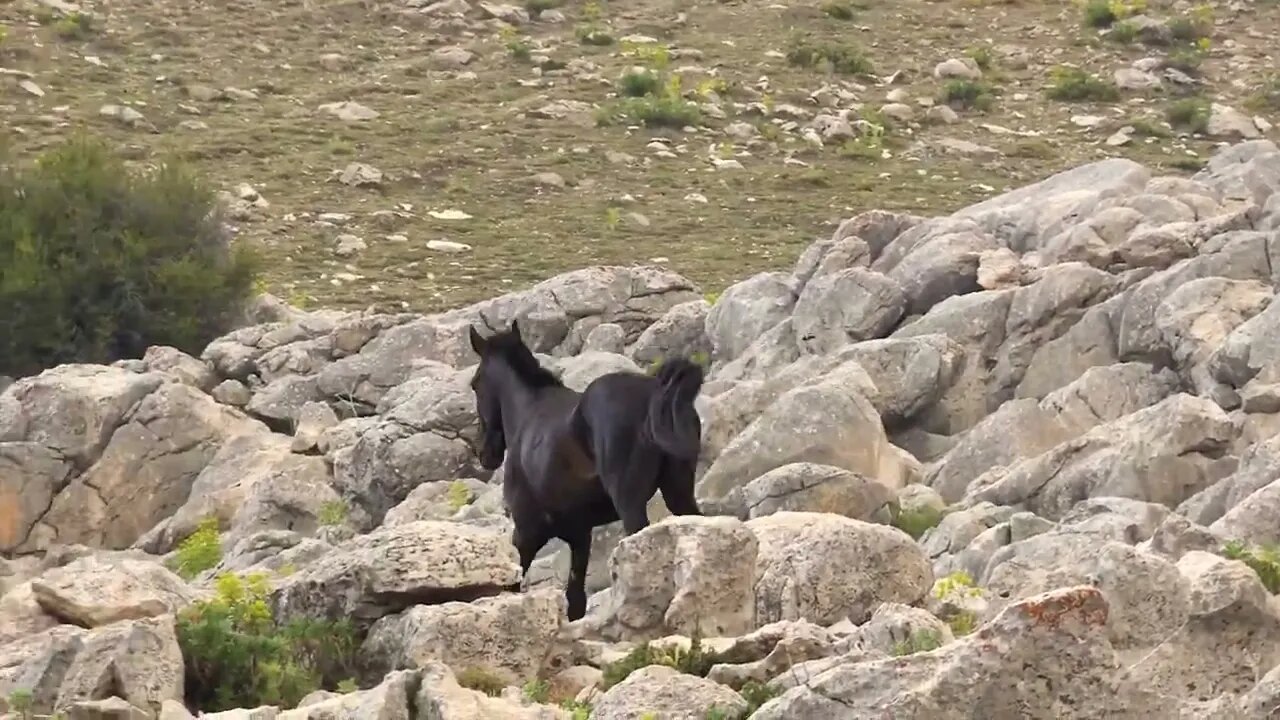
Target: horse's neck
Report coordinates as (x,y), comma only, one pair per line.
(517,399)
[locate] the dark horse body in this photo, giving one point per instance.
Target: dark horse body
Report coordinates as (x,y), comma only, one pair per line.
(575,461)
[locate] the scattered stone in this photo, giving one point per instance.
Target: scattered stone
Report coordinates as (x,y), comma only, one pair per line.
(360,175)
(962,68)
(448,246)
(349,111)
(348,245)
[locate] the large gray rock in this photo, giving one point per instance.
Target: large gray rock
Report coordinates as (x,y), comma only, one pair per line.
(509,636)
(1024,429)
(746,310)
(1231,637)
(98,590)
(830,422)
(684,575)
(1161,454)
(253,483)
(847,306)
(392,568)
(809,487)
(660,691)
(145,471)
(824,568)
(440,696)
(680,332)
(1058,637)
(392,699)
(1197,318)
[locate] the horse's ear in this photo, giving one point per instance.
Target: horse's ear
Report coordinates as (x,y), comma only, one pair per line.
(478,343)
(515,331)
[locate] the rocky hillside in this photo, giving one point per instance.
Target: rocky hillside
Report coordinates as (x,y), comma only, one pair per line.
(423,154)
(1018,461)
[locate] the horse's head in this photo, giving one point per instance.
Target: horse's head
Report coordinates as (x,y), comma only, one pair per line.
(487,386)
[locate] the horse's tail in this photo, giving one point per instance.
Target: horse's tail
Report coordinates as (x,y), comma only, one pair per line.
(672,421)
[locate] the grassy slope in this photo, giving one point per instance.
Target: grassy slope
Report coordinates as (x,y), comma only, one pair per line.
(467,139)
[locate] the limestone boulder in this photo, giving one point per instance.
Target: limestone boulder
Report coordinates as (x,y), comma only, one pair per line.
(509,636)
(824,568)
(392,568)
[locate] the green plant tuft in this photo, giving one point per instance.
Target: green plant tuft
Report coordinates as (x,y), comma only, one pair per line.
(459,495)
(333,513)
(1190,114)
(838,10)
(75,26)
(964,94)
(538,691)
(916,521)
(1071,84)
(97,262)
(481,680)
(697,660)
(842,59)
(199,551)
(1264,560)
(237,655)
(577,710)
(918,641)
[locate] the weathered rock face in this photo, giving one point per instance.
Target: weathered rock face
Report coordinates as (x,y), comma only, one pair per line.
(509,635)
(824,568)
(1059,636)
(807,487)
(385,571)
(683,575)
(95,591)
(663,692)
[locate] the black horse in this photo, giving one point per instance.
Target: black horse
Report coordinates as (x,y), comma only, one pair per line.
(575,461)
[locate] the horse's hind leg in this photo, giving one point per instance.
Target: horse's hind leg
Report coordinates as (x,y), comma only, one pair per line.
(575,591)
(676,484)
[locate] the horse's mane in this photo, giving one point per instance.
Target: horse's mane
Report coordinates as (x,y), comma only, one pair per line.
(521,360)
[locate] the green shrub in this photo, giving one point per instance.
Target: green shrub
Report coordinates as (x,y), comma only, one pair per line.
(1267,97)
(21,702)
(756,694)
(638,83)
(838,10)
(333,513)
(1265,561)
(916,521)
(964,94)
(838,58)
(1098,14)
(237,655)
(458,495)
(1190,114)
(1123,32)
(199,551)
(918,641)
(539,6)
(577,710)
(97,262)
(981,56)
(538,691)
(481,680)
(697,660)
(655,111)
(1075,85)
(75,26)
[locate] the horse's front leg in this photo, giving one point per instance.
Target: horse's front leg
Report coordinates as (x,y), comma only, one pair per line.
(575,592)
(528,537)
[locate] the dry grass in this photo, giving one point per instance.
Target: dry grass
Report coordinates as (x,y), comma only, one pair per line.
(473,139)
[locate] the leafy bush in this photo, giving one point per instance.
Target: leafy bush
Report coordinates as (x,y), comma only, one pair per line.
(1191,114)
(1265,561)
(577,710)
(965,94)
(663,106)
(481,680)
(333,513)
(1098,14)
(1073,84)
(21,702)
(981,56)
(200,550)
(538,691)
(697,660)
(838,10)
(915,521)
(756,694)
(75,26)
(918,641)
(237,655)
(536,7)
(638,83)
(97,262)
(840,59)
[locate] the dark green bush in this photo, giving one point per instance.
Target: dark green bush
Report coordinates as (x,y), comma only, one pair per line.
(237,655)
(98,262)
